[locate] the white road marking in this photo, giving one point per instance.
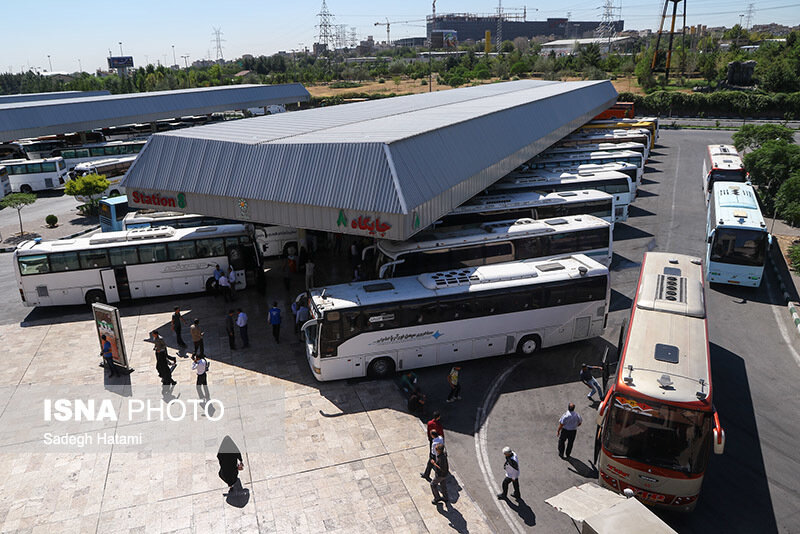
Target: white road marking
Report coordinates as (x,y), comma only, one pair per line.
(482,453)
(782,327)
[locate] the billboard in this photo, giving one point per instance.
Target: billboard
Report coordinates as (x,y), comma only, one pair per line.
(119,62)
(106,319)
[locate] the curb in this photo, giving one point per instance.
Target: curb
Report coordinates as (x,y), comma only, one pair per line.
(70,236)
(793,306)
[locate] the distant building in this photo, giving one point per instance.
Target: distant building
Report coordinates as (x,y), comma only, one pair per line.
(366,47)
(568,47)
(474,26)
(411,41)
(773,28)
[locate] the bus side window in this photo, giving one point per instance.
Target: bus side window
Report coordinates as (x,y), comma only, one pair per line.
(352,324)
(91,259)
(120,256)
(181,250)
(64,261)
(153,253)
(33,264)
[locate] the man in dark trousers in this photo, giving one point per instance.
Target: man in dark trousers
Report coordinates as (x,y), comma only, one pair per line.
(567,429)
(162,365)
(230,321)
(435,439)
(197,338)
(275,321)
(511,468)
(241,322)
(108,357)
(435,424)
(177,319)
(442,470)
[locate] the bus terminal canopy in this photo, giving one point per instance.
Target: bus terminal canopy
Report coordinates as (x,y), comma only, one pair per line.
(20,119)
(382,168)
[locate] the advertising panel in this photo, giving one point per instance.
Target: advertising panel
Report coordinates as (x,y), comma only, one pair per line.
(106,319)
(118,62)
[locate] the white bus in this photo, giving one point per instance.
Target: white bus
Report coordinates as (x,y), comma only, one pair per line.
(270,240)
(494,242)
(599,147)
(614,183)
(641,135)
(736,236)
(28,175)
(657,422)
(5,182)
(546,161)
(113,169)
(119,266)
(722,163)
(374,328)
(111,149)
(533,205)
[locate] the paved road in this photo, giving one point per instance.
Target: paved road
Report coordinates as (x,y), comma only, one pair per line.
(753,487)
(48,202)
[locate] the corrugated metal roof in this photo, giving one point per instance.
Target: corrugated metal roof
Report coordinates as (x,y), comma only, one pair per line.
(59,95)
(419,155)
(35,118)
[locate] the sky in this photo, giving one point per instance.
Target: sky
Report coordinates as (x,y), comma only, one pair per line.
(82,32)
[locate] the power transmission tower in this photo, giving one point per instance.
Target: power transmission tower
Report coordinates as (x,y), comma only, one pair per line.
(341,36)
(325,26)
(607,27)
(749,16)
(353,40)
(499,37)
(218,40)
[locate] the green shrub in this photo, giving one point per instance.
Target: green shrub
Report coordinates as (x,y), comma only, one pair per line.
(51,221)
(794,257)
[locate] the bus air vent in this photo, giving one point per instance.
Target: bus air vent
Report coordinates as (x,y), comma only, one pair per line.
(569,194)
(383,286)
(666,353)
(548,267)
(453,278)
(555,222)
(672,293)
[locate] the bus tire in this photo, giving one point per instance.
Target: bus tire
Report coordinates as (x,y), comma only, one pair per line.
(25,188)
(528,345)
(95,295)
(380,368)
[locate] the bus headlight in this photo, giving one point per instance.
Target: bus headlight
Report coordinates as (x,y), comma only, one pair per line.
(316,369)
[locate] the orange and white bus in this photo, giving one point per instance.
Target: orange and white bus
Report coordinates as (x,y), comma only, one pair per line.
(722,164)
(657,423)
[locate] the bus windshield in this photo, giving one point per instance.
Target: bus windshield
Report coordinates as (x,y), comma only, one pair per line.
(728,175)
(659,435)
(739,246)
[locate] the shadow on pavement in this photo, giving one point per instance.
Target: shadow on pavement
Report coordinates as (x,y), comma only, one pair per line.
(623,232)
(522,509)
(580,468)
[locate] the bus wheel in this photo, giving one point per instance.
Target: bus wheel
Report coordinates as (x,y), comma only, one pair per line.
(528,345)
(380,368)
(95,295)
(25,188)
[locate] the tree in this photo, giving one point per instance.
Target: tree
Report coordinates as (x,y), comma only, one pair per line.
(787,201)
(90,185)
(752,136)
(643,72)
(771,165)
(18,201)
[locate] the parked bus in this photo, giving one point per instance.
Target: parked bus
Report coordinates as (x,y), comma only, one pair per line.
(546,161)
(5,182)
(736,236)
(608,136)
(614,183)
(495,242)
(28,175)
(79,154)
(619,110)
(626,124)
(11,151)
(119,266)
(112,212)
(113,169)
(376,327)
(722,163)
(641,148)
(532,205)
(43,147)
(657,423)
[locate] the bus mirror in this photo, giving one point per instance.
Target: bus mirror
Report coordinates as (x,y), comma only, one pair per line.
(719,441)
(710,237)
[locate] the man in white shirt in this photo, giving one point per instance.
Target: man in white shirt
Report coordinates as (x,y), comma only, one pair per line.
(201,366)
(225,287)
(241,322)
(232,282)
(567,429)
(436,439)
(511,468)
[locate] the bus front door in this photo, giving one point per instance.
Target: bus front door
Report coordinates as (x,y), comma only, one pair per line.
(109,285)
(123,287)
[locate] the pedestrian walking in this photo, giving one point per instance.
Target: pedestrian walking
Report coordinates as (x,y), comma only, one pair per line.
(275,321)
(177,323)
(200,365)
(303,315)
(241,322)
(230,463)
(455,384)
(309,273)
(435,439)
(590,381)
(511,467)
(162,365)
(442,471)
(197,338)
(355,254)
(232,280)
(230,321)
(225,288)
(218,273)
(416,402)
(108,357)
(435,425)
(567,429)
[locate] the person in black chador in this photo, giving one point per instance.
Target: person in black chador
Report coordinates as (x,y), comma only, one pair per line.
(230,463)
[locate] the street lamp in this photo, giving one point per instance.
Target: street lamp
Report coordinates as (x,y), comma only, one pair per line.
(50,62)
(186,60)
(120,49)
(174,60)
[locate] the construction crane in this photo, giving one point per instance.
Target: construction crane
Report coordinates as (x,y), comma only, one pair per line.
(388,25)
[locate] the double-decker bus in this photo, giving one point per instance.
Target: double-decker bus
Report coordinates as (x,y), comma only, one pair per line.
(722,163)
(113,169)
(111,149)
(657,422)
(532,205)
(119,266)
(28,175)
(495,242)
(614,183)
(546,161)
(376,327)
(608,136)
(736,236)
(599,147)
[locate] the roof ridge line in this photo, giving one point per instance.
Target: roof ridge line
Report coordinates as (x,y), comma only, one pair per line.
(395,179)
